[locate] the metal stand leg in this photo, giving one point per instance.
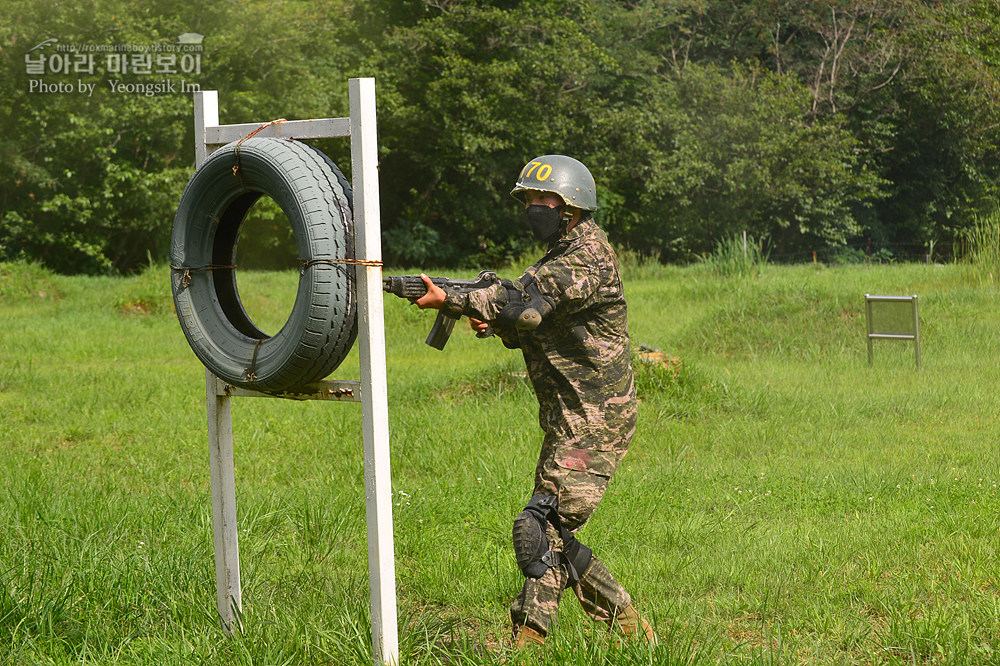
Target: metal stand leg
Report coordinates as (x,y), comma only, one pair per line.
(227,550)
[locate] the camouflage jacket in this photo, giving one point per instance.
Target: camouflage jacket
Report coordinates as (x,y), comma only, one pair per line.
(578,359)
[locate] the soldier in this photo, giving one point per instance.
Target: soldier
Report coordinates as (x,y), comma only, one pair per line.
(578,360)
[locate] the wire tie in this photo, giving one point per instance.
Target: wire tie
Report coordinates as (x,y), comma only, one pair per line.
(236,167)
(186,277)
(252,372)
(306,263)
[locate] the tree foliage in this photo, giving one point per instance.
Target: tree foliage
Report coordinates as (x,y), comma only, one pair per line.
(814,124)
(89,183)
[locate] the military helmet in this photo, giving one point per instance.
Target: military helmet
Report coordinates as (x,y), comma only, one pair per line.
(561,175)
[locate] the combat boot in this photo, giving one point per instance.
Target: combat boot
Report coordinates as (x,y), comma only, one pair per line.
(631,624)
(525,637)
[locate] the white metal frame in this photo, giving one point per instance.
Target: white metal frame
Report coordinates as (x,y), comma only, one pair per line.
(910,334)
(371,391)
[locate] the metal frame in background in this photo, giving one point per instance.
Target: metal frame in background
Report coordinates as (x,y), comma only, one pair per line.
(911,334)
(371,391)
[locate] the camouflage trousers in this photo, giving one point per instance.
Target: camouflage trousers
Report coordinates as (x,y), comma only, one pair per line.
(579,478)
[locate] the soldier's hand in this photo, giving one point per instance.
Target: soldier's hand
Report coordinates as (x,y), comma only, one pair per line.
(434,298)
(477,325)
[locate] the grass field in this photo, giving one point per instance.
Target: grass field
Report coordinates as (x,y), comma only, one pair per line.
(783,502)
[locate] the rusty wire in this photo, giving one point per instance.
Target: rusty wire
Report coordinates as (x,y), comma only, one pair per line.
(236,167)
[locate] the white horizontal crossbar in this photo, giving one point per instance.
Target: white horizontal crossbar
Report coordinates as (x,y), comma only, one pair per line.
(321,128)
(891,336)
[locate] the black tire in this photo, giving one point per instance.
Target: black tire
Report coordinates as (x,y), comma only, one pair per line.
(316,199)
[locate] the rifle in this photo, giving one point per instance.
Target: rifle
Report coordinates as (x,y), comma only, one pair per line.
(411,287)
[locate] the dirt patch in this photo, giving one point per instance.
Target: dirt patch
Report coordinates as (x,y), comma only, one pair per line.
(139,308)
(658,358)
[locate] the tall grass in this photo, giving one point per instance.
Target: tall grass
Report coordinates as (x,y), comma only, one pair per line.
(739,255)
(782,501)
(984,248)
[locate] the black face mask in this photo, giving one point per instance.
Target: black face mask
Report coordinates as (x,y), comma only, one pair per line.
(545,222)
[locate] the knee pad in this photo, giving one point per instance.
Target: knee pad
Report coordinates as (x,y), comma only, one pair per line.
(531,545)
(578,558)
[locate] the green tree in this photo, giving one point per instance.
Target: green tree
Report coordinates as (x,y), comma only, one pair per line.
(468,94)
(915,82)
(683,153)
(943,160)
(809,122)
(85,179)
(90,182)
(732,152)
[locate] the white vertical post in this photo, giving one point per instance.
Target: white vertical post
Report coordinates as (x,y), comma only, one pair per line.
(223,470)
(374,399)
(206,114)
(220,436)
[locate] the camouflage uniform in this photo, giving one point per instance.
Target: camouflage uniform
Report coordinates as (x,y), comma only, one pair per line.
(578,360)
